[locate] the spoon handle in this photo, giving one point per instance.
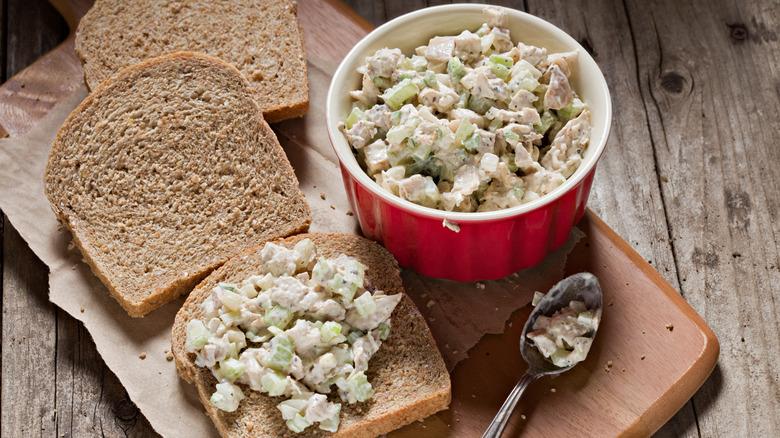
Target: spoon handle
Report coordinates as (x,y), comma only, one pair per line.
(496,427)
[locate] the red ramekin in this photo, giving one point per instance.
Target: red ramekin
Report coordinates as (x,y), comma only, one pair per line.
(475,246)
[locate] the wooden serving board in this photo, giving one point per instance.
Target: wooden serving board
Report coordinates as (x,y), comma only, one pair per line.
(652,352)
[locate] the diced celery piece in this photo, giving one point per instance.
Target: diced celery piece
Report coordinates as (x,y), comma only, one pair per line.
(499,70)
(546,120)
(523,79)
(481,190)
(572,110)
(464,131)
(455,69)
(340,286)
(353,117)
(275,330)
(560,358)
(396,95)
(248,291)
(365,304)
(323,271)
(281,353)
(274,383)
(495,124)
(291,407)
(229,318)
(329,331)
(472,142)
(297,424)
(395,117)
(430,80)
(511,136)
(381,82)
(422,151)
(353,336)
(518,192)
(358,385)
(399,133)
(384,330)
(231,300)
(197,335)
(502,60)
(480,104)
(277,316)
(332,424)
(510,163)
(416,165)
(431,191)
(231,368)
(227,286)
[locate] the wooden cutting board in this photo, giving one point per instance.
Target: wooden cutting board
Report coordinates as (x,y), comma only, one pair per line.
(652,353)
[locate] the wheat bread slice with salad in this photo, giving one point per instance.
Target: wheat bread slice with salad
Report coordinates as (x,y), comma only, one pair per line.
(408,374)
(167,170)
(262,38)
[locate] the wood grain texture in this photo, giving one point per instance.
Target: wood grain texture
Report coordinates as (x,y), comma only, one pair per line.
(687,180)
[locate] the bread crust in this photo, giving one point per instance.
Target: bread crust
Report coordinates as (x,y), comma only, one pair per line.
(262,38)
(178,240)
(408,373)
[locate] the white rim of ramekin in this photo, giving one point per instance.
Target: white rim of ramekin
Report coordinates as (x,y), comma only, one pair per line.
(347,159)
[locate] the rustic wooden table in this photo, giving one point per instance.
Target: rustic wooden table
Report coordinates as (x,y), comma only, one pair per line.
(688,180)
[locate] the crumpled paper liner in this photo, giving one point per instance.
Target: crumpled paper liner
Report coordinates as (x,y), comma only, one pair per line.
(459,314)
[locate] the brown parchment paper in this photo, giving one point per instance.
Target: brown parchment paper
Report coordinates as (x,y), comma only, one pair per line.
(459,314)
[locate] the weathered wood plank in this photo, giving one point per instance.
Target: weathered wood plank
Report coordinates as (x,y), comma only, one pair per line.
(29,335)
(711,96)
(626,191)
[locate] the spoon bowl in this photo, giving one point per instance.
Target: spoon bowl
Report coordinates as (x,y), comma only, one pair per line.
(583,287)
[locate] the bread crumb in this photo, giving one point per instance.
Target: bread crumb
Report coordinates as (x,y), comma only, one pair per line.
(81,309)
(74,267)
(322,195)
(165,351)
(611,302)
(59,226)
(159,372)
(523,417)
(142,356)
(454,351)
(609,363)
(642,357)
(670,326)
(430,304)
(249,425)
(643,332)
(553,390)
(169,357)
(332,207)
(314,185)
(349,213)
(480,285)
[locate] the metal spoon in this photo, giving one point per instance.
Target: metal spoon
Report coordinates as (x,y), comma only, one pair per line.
(583,287)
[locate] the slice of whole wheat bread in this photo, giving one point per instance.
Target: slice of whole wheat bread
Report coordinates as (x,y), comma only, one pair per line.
(408,373)
(166,171)
(262,38)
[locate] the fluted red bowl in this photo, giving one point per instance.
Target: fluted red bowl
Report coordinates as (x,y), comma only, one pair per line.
(488,245)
